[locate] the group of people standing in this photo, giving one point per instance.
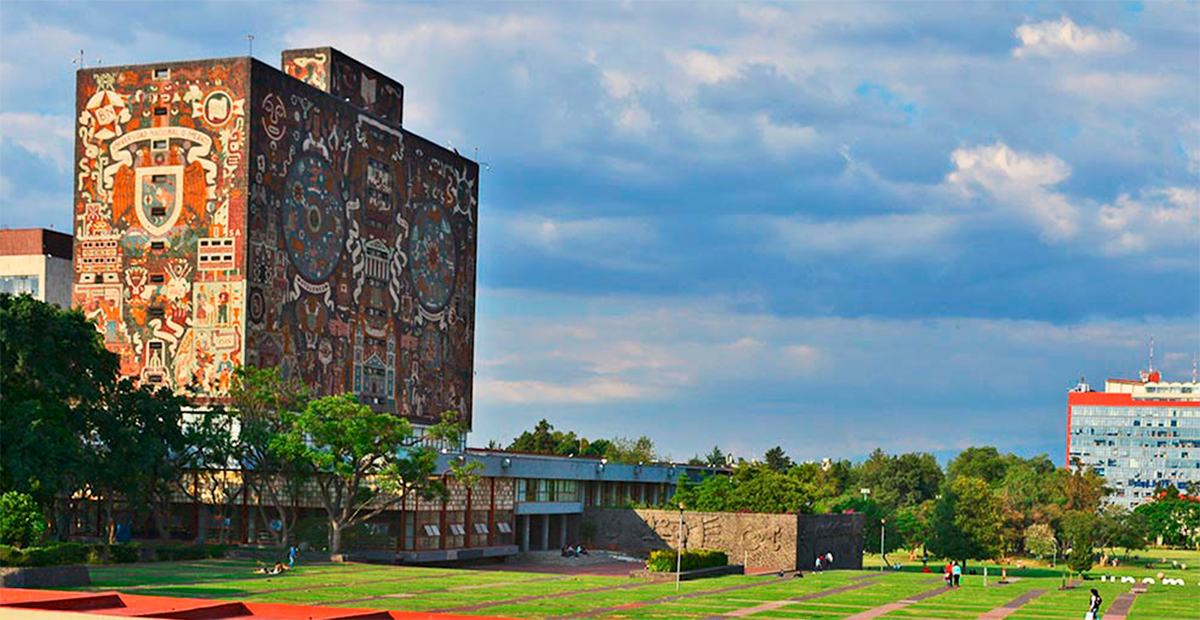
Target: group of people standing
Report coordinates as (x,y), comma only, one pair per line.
(953,574)
(824,562)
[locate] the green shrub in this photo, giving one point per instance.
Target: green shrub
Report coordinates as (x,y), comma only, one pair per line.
(126,553)
(313,530)
(9,555)
(664,561)
(21,523)
(57,554)
(587,531)
(178,553)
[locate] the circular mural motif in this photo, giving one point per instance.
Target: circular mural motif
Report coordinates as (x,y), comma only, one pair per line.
(313,224)
(431,256)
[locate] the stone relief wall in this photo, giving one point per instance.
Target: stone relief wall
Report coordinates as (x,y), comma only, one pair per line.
(783,541)
(759,540)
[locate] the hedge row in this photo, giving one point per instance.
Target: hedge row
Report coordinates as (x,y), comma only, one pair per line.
(665,561)
(62,554)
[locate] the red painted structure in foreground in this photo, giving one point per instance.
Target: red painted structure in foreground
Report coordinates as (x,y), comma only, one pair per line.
(22,604)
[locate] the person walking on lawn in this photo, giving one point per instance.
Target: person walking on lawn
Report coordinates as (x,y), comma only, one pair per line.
(1094,606)
(957,574)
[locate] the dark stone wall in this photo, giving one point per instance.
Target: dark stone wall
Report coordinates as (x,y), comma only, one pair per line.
(840,534)
(776,541)
(44,577)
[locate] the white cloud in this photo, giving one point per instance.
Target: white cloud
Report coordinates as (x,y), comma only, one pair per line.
(543,393)
(882,237)
(1054,38)
(1020,183)
(739,372)
(1156,219)
(783,139)
(609,242)
(1119,87)
(703,66)
(1012,182)
(46,135)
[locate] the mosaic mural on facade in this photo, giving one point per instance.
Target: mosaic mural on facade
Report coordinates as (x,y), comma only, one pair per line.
(362,252)
(158,212)
(347,79)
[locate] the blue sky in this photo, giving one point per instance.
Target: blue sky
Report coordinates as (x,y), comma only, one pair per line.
(825,226)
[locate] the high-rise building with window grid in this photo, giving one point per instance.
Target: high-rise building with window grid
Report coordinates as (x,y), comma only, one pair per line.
(1139,435)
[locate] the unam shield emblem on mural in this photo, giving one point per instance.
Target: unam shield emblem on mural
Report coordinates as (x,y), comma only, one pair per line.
(314,226)
(431,251)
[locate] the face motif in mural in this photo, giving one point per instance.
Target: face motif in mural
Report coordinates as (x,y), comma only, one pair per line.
(431,251)
(314,226)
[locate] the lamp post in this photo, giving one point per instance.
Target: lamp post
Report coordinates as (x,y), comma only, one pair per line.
(882,557)
(679,550)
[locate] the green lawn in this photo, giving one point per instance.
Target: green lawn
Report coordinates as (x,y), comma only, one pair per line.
(827,595)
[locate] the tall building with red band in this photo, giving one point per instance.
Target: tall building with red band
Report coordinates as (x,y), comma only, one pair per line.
(1139,435)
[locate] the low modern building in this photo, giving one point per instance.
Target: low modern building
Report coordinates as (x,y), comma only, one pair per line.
(1139,435)
(37,261)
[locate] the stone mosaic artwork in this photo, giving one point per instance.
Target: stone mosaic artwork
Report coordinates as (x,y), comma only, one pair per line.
(229,213)
(158,219)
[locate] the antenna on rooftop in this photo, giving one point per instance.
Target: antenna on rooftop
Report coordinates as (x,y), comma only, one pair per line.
(482,164)
(1151,353)
(249,44)
(1193,368)
(78,62)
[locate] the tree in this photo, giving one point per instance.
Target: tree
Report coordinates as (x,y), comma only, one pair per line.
(685,493)
(1039,540)
(1081,488)
(777,460)
(875,517)
(1080,534)
(1120,527)
(713,494)
(258,399)
(363,462)
(631,451)
(770,492)
(905,480)
(716,458)
(57,375)
(133,447)
(21,522)
(914,524)
(984,463)
(1171,518)
(206,467)
(967,521)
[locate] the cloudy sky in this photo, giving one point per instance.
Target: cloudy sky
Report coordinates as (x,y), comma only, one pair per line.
(826,226)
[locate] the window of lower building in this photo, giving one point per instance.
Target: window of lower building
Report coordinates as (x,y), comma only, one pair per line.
(18,285)
(456,529)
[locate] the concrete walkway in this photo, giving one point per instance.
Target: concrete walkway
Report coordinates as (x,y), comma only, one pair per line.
(1012,606)
(901,604)
(1120,606)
